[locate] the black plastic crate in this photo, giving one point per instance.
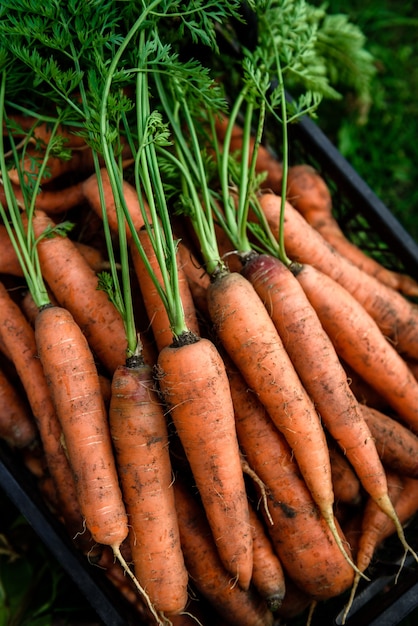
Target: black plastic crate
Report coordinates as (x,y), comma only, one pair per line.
(383,601)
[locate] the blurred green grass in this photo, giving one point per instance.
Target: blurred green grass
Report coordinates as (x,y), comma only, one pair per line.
(380,142)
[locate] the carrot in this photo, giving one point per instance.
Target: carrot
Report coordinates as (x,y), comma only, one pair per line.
(73,380)
(241,320)
(156,310)
(17,426)
(75,286)
(239,607)
(21,124)
(19,338)
(394,314)
(196,275)
(194,386)
(307,550)
(364,392)
(347,487)
(308,192)
(316,362)
(80,161)
(140,438)
(407,503)
(90,189)
(116,574)
(397,445)
(268,576)
(52,201)
(374,525)
(358,340)
(295,602)
(9,263)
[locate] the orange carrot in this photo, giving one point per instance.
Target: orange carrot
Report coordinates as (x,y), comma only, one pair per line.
(364,392)
(268,576)
(249,337)
(397,446)
(196,275)
(73,380)
(316,362)
(75,286)
(195,388)
(239,607)
(295,602)
(301,538)
(19,338)
(9,263)
(308,192)
(347,487)
(395,315)
(52,201)
(358,340)
(17,427)
(140,439)
(374,526)
(91,194)
(41,132)
(80,161)
(156,310)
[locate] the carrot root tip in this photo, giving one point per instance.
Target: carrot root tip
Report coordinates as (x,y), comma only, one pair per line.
(159,620)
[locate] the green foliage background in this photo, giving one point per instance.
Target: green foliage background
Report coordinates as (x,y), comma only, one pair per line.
(379,138)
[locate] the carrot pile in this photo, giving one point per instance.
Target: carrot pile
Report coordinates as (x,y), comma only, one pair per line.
(362,459)
(216,391)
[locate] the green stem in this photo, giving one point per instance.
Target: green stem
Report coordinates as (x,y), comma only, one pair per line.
(22,241)
(115,183)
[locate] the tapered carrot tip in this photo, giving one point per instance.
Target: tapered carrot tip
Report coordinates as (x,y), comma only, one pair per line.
(330,520)
(386,505)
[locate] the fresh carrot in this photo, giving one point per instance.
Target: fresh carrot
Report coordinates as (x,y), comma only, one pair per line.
(75,286)
(397,445)
(192,377)
(56,167)
(358,340)
(140,438)
(239,607)
(19,337)
(17,426)
(116,574)
(315,359)
(74,384)
(347,487)
(196,275)
(241,320)
(364,392)
(395,315)
(195,388)
(295,602)
(156,310)
(308,192)
(39,131)
(91,193)
(301,538)
(374,526)
(10,262)
(268,576)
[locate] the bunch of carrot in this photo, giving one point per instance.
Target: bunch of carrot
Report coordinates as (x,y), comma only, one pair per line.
(247,450)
